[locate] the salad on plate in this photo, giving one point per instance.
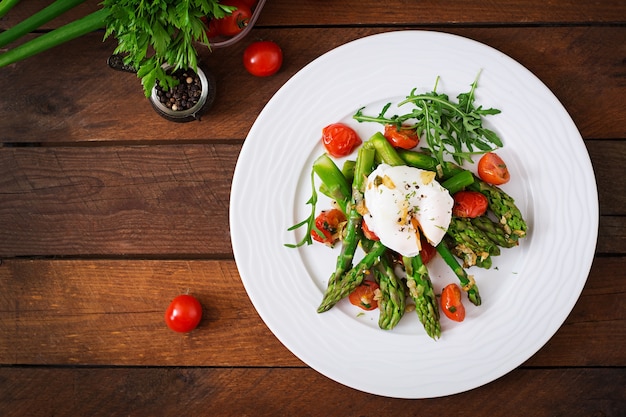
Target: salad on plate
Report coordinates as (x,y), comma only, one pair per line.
(400,205)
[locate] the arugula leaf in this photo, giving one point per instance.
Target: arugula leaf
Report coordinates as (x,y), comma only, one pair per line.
(447,127)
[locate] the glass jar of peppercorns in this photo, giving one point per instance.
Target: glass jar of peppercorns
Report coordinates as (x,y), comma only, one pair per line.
(192,96)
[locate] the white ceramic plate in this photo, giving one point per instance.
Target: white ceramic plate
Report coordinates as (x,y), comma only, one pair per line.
(526,295)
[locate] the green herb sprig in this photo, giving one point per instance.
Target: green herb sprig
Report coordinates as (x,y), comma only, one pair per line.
(153,33)
(149,33)
(448,127)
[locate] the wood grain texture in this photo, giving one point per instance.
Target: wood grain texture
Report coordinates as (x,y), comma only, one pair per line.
(108,211)
(370,12)
(64,312)
(64,95)
(276,392)
(111,312)
(116,200)
(170,200)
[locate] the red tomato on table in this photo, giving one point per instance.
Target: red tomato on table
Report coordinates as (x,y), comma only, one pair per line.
(451,303)
(183,314)
(263,58)
(469,204)
(340,139)
(492,169)
(364,295)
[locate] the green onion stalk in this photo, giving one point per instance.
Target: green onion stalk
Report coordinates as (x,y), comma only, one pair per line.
(36,20)
(6,6)
(53,38)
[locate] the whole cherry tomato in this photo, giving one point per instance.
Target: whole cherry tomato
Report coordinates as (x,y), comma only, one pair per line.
(237,21)
(183,314)
(451,303)
(364,296)
(469,204)
(403,137)
(492,169)
(340,139)
(330,223)
(263,58)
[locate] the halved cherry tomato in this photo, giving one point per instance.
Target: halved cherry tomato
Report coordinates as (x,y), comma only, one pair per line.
(235,22)
(451,303)
(263,58)
(364,295)
(492,169)
(428,251)
(404,137)
(330,223)
(367,232)
(183,314)
(340,139)
(469,204)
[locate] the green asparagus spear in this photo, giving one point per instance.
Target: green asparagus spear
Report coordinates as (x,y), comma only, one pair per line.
(384,151)
(348,170)
(458,182)
(495,232)
(392,301)
(334,183)
(500,203)
(471,241)
(339,280)
(467,281)
(346,283)
(421,291)
(503,206)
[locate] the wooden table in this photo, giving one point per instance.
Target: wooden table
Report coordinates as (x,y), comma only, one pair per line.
(108,211)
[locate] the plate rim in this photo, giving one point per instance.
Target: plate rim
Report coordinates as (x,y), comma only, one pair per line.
(239,176)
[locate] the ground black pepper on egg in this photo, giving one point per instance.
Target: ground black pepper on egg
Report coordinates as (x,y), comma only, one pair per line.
(183,96)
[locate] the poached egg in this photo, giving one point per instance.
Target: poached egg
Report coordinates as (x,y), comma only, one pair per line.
(401,201)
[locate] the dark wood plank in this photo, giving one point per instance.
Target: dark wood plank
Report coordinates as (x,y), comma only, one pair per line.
(426,12)
(173,200)
(70,95)
(291,392)
(355,12)
(111,312)
(116,200)
(598,317)
(609,159)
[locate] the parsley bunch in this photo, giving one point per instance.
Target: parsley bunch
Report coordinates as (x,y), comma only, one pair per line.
(150,33)
(448,127)
(157,32)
